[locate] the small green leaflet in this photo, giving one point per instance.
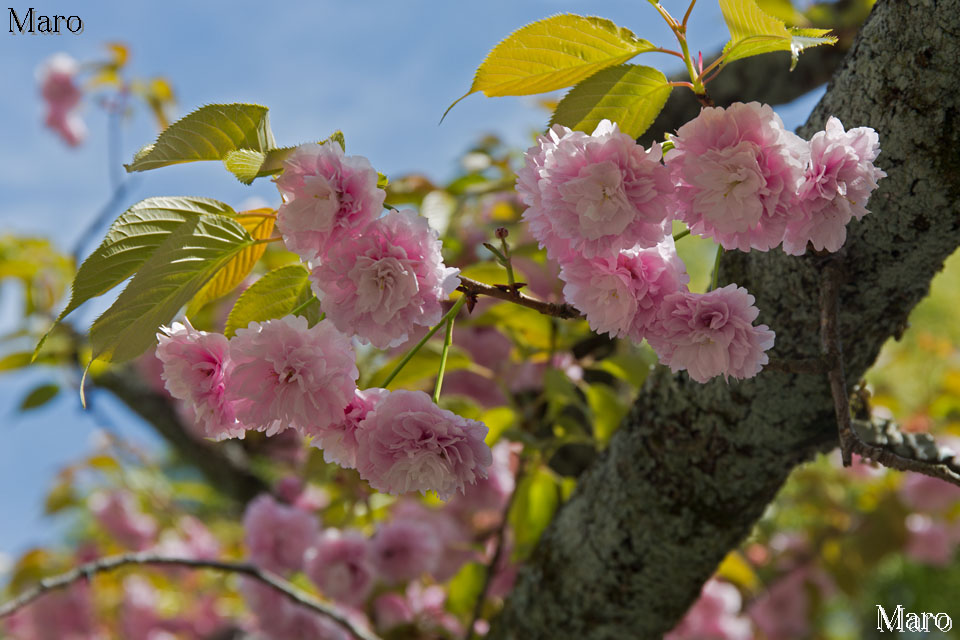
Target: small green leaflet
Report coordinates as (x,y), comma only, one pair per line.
(177,270)
(753,32)
(249,164)
(273,296)
(554,53)
(131,239)
(630,95)
(209,133)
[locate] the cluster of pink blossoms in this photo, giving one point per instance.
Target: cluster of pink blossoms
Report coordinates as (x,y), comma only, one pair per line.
(602,206)
(57,79)
(283,374)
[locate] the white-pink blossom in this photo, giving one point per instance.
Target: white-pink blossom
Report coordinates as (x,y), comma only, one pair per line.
(408,443)
(378,285)
(118,513)
(61,94)
(340,563)
(327,195)
(711,334)
(596,194)
(714,616)
(196,369)
(929,541)
(287,374)
(279,618)
(783,611)
(404,550)
(489,494)
(924,493)
(339,440)
(837,183)
(277,535)
(737,171)
(621,293)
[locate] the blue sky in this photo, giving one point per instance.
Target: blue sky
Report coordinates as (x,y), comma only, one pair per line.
(383,72)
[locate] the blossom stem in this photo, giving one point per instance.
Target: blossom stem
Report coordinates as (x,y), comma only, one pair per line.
(409,354)
(447,341)
(303,305)
(686,16)
(681,234)
(507,264)
(664,14)
(715,280)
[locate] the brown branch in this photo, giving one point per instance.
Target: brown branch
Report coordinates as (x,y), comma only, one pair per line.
(497,553)
(112,563)
(832,354)
(473,289)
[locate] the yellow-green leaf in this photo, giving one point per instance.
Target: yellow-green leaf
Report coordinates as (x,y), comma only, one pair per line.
(209,133)
(629,95)
(273,296)
(753,32)
(554,53)
(259,224)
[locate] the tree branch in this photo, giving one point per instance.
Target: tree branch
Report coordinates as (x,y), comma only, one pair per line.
(512,294)
(692,468)
(224,463)
(112,563)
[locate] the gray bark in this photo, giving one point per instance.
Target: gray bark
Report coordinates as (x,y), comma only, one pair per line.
(693,466)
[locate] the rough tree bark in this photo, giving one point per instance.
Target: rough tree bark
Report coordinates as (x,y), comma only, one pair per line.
(693,466)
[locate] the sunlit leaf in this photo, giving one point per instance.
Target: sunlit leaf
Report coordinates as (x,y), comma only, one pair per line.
(259,224)
(209,133)
(629,95)
(608,410)
(753,32)
(537,498)
(274,295)
(422,366)
(554,53)
(186,260)
(465,587)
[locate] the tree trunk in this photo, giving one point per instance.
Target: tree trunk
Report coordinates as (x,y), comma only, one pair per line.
(693,466)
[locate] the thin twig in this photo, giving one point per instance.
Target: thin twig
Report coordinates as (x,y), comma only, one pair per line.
(112,563)
(497,553)
(832,354)
(557,310)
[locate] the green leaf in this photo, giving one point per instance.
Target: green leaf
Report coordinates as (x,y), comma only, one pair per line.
(177,270)
(753,32)
(274,295)
(209,133)
(130,241)
(537,499)
(39,396)
(422,366)
(464,588)
(554,53)
(259,224)
(248,164)
(608,410)
(629,95)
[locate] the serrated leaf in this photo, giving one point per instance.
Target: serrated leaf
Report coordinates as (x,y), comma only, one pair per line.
(274,295)
(753,32)
(39,396)
(247,164)
(130,241)
(259,224)
(629,95)
(209,133)
(177,270)
(554,53)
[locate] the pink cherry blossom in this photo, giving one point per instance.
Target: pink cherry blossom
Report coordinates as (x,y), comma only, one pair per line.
(340,563)
(280,619)
(838,181)
(407,443)
(277,535)
(529,375)
(67,614)
(710,334)
(326,195)
(489,494)
(391,610)
(714,616)
(196,369)
(454,539)
(594,194)
(191,539)
(288,375)
(929,541)
(783,611)
(404,550)
(621,293)
(737,171)
(61,94)
(139,619)
(924,493)
(338,440)
(380,284)
(118,513)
